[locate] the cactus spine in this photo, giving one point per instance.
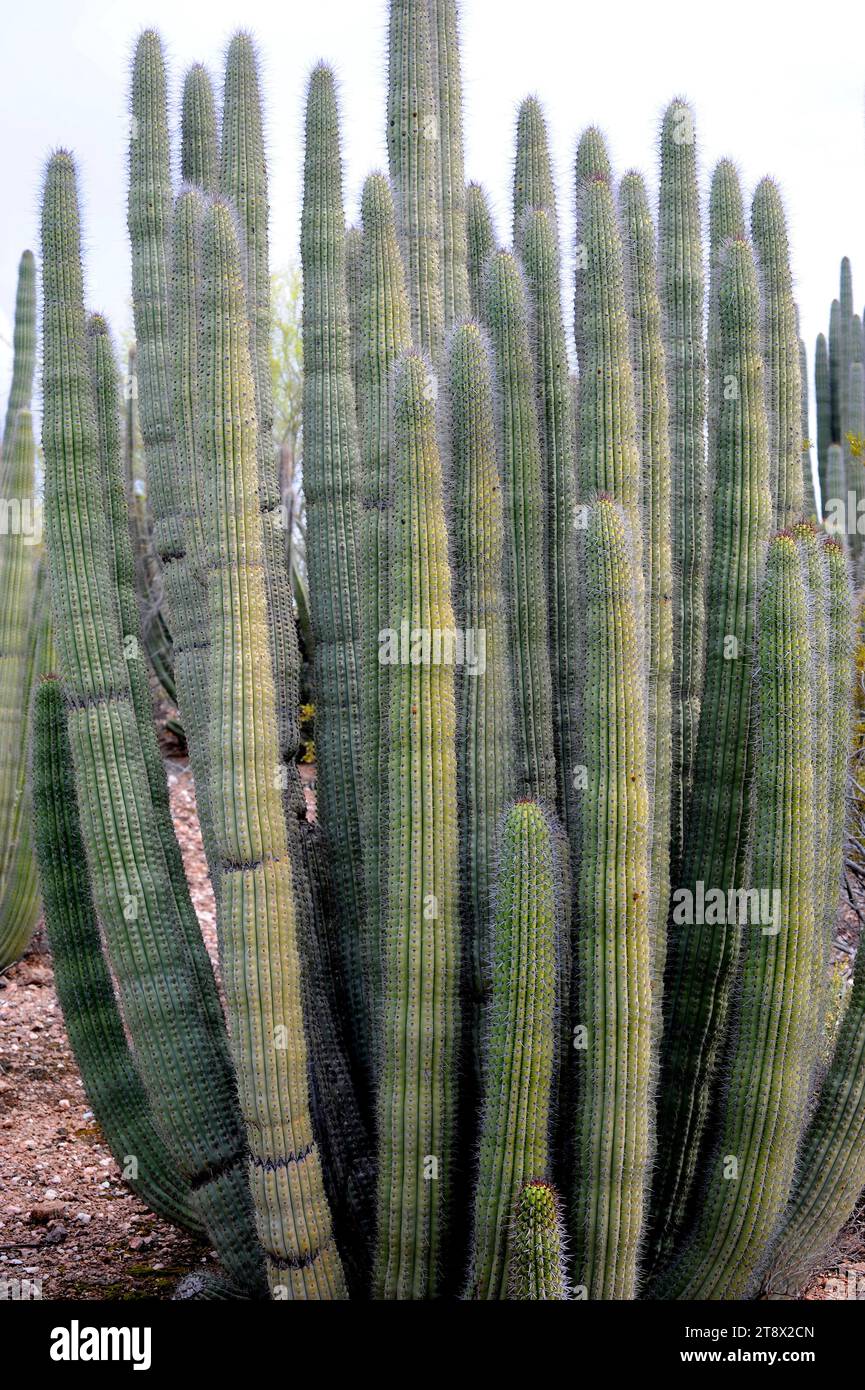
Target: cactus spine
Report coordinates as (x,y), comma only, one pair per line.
(614,955)
(331,458)
(417,1091)
(537,1245)
(780,354)
(702,958)
(484,694)
(525,580)
(751,1173)
(84,986)
(520,1042)
(680,279)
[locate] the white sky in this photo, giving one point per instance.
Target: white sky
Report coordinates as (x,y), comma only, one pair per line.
(777,88)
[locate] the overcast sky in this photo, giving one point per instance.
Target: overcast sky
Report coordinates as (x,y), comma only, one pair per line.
(779,91)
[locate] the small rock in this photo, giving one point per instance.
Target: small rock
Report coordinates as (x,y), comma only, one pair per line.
(83,1217)
(43,1212)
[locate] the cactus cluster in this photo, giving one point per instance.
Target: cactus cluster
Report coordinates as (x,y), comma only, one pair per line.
(582,678)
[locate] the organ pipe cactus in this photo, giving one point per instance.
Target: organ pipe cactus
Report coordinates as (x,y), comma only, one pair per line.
(331,455)
(414,157)
(443,461)
(19,900)
(525,580)
(261,964)
(780,353)
(766,1086)
(166,988)
(520,1044)
(537,1245)
(385,333)
(481,244)
(680,280)
(652,413)
(614,1042)
(824,412)
(484,692)
(199,146)
(109,1071)
(21,630)
(420,946)
(701,963)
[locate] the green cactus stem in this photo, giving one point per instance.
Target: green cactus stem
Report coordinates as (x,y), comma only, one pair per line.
(261,964)
(385,326)
(23,345)
(680,281)
(534,186)
(614,1009)
(417,1090)
(537,1269)
(702,958)
(199,145)
(652,410)
(331,466)
(780,354)
(169,1003)
(481,244)
(824,414)
(751,1171)
(520,1051)
(447,80)
(354,291)
(525,576)
(111,1078)
(414,157)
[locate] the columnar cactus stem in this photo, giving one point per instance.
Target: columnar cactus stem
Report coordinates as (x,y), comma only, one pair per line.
(558,455)
(331,459)
(680,279)
(592,162)
(385,327)
(186,576)
(854,450)
(261,964)
(354,291)
(481,244)
(484,691)
(444,34)
(84,986)
(614,1013)
(701,959)
(824,415)
(520,1042)
(534,186)
(609,458)
(836,511)
(199,144)
(414,156)
(653,417)
(537,1268)
(751,1172)
(831,1162)
(160,968)
(836,367)
(417,1091)
(809,497)
(23,345)
(149,218)
(780,354)
(526,580)
(726,222)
